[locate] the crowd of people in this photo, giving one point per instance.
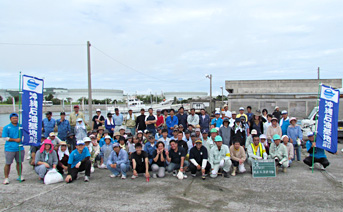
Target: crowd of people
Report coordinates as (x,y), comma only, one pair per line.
(155,144)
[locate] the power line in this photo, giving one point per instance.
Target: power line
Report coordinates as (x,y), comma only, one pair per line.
(40,44)
(133,69)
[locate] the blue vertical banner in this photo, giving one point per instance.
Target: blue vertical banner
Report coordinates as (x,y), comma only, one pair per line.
(328,119)
(32,105)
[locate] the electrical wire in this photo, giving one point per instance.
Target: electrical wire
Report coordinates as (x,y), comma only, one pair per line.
(40,44)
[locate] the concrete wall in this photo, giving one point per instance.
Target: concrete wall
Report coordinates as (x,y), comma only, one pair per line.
(278,86)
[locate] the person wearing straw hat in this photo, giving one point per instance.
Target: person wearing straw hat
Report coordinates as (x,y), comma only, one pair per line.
(319,153)
(228,113)
(100,133)
(290,148)
(11,135)
(279,153)
(46,159)
(98,119)
(54,139)
(198,157)
(295,136)
(273,129)
(63,157)
(79,160)
(220,158)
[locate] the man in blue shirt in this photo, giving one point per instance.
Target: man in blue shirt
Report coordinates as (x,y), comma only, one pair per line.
(79,161)
(63,127)
(284,122)
(118,119)
(217,121)
(319,154)
(11,134)
(249,113)
(171,121)
(48,124)
(150,147)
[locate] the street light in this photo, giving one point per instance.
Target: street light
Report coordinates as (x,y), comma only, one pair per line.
(221,87)
(210,77)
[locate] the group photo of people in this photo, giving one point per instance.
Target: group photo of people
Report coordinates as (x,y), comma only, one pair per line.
(161,143)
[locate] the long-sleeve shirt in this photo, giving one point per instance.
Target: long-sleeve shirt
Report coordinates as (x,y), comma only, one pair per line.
(279,151)
(109,125)
(149,149)
(225,133)
(217,155)
(290,150)
(271,131)
(284,125)
(73,116)
(294,132)
(63,128)
(256,152)
(204,121)
(171,122)
(217,122)
(237,154)
(118,119)
(48,126)
(121,158)
(193,119)
(182,118)
(52,158)
(130,121)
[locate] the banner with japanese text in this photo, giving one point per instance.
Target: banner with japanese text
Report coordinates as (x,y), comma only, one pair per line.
(32,105)
(327,130)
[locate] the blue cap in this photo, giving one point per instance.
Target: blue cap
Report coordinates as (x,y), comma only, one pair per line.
(205,131)
(238,120)
(13,114)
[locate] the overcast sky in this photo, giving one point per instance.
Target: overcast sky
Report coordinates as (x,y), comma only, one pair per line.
(169,45)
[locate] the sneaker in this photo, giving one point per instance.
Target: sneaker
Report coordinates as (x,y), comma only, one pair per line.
(123,177)
(310,167)
(92,169)
(134,176)
(113,176)
(203,176)
(6,181)
(22,178)
(321,167)
(184,175)
(102,166)
(226,175)
(174,173)
(86,179)
(28,157)
(194,175)
(154,176)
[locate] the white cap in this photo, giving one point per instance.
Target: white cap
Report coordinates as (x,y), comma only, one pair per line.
(233,112)
(217,112)
(225,105)
(292,119)
(86,139)
(80,142)
(254,132)
(121,128)
(79,119)
(107,137)
(276,107)
(284,136)
(98,110)
(284,112)
(241,108)
(263,136)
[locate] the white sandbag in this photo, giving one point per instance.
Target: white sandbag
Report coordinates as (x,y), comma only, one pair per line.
(180,175)
(52,177)
(241,168)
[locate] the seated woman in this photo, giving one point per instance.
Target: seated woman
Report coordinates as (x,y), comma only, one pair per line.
(159,161)
(46,159)
(63,156)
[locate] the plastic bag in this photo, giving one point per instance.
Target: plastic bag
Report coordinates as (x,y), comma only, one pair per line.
(180,175)
(52,177)
(241,168)
(298,141)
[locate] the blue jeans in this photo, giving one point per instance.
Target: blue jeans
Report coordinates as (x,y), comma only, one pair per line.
(121,168)
(132,129)
(297,149)
(173,166)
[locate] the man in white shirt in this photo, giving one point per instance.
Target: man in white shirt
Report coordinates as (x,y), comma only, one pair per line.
(232,119)
(193,119)
(227,112)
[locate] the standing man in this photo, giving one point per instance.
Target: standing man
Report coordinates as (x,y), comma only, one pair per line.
(130,122)
(198,157)
(277,113)
(160,119)
(171,121)
(220,158)
(74,116)
(249,113)
(140,121)
(48,124)
(241,113)
(63,127)
(150,121)
(98,119)
(284,122)
(267,123)
(193,119)
(217,121)
(118,119)
(11,135)
(182,117)
(225,132)
(228,113)
(204,120)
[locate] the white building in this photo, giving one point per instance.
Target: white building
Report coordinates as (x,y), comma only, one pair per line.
(99,94)
(185,95)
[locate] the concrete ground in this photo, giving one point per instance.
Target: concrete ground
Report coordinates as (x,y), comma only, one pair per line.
(297,190)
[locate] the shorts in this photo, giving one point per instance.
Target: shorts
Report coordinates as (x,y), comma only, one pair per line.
(11,155)
(34,149)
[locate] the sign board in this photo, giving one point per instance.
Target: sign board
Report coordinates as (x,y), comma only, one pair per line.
(263,168)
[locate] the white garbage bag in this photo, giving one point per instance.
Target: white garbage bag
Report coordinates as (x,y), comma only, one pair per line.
(241,168)
(52,177)
(180,175)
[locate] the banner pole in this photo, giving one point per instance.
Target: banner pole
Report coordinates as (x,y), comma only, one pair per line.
(315,128)
(19,118)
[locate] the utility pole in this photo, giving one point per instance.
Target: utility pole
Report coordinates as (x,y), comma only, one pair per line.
(89,85)
(318,73)
(210,77)
(221,87)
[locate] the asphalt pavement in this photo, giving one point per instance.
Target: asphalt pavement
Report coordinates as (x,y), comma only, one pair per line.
(297,190)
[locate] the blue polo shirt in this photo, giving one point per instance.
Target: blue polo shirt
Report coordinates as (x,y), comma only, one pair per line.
(48,126)
(76,157)
(11,131)
(218,122)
